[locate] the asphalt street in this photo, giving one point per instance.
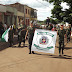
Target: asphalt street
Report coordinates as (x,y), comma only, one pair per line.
(18,59)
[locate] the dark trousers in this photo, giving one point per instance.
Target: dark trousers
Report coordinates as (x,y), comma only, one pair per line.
(18,37)
(11,42)
(2,31)
(30,44)
(68,37)
(61,46)
(22,39)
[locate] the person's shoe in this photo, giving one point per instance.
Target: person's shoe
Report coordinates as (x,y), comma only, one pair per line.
(33,52)
(59,54)
(10,46)
(19,46)
(29,53)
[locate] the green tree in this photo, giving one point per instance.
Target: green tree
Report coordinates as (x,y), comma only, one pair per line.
(57,12)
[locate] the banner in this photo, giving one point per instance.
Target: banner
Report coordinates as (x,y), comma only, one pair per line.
(44,41)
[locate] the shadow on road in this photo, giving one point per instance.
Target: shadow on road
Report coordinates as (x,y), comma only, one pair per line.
(56,56)
(26,45)
(62,57)
(66,48)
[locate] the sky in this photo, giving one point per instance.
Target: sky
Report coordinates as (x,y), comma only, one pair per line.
(44,8)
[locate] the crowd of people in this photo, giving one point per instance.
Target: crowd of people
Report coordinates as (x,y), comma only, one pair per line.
(25,31)
(4,27)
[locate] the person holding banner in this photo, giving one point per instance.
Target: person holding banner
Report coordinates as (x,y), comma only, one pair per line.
(61,33)
(30,33)
(11,36)
(47,21)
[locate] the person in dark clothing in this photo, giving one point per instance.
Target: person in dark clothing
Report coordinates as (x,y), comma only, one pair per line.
(61,33)
(1,28)
(47,21)
(11,36)
(22,33)
(14,28)
(30,33)
(49,27)
(68,31)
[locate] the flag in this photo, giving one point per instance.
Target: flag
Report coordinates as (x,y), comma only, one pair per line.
(4,37)
(44,41)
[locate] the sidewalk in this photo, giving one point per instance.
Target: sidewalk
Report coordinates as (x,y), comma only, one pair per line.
(4,45)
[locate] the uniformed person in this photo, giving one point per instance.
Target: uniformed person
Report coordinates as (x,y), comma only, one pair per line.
(47,21)
(1,28)
(61,33)
(49,27)
(22,33)
(70,29)
(11,36)
(30,33)
(14,28)
(68,34)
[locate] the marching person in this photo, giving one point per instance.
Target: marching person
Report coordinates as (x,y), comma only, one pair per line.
(19,31)
(30,33)
(22,34)
(68,34)
(47,21)
(11,36)
(14,28)
(49,27)
(61,33)
(1,28)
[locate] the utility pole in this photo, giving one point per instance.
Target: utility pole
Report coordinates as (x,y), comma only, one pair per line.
(24,14)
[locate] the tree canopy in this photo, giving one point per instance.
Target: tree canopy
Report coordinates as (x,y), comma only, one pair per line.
(58,13)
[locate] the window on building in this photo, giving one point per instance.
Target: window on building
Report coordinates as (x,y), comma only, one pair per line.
(26,11)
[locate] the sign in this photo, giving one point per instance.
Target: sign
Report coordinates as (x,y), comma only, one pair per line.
(44,41)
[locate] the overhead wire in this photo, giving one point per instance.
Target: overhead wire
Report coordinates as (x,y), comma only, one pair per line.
(36,0)
(42,3)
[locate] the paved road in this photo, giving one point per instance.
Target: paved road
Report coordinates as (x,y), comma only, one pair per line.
(15,59)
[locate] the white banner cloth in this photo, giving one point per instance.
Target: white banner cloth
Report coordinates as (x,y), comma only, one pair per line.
(44,41)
